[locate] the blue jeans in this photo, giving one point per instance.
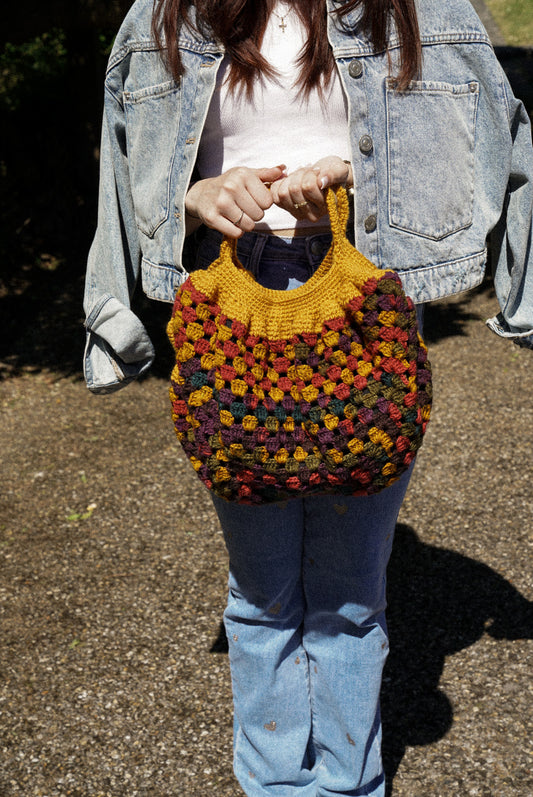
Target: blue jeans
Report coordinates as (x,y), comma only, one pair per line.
(277,263)
(305,618)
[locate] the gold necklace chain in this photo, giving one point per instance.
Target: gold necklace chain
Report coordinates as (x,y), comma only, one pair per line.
(282,18)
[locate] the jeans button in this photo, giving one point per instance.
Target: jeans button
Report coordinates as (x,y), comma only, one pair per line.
(316,248)
(371,223)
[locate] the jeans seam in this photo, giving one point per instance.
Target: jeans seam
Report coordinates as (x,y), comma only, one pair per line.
(317,749)
(252,260)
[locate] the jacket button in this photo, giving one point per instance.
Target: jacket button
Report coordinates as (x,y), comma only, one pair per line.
(366,144)
(371,223)
(355,68)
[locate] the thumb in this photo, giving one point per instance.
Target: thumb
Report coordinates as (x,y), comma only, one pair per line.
(272,174)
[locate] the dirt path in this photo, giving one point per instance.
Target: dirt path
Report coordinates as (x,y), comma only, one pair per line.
(113,672)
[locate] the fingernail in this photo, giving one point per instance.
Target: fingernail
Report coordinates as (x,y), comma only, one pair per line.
(323,183)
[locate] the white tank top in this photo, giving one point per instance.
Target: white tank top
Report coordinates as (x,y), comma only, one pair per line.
(277,125)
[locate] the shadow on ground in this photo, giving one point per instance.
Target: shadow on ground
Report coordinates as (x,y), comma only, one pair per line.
(440,602)
(41,325)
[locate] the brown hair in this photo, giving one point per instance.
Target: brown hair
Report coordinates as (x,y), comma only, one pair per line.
(240,25)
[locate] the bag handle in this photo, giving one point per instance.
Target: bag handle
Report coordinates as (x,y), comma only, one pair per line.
(338,210)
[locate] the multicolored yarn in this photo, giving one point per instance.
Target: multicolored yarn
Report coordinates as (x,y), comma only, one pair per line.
(270,401)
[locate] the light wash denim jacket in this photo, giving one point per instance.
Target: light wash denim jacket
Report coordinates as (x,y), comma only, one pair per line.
(436,169)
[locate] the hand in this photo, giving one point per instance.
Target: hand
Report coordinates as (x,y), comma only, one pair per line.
(233,202)
(302,192)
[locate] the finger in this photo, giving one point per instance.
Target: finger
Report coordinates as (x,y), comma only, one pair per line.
(244,222)
(272,174)
(259,192)
(337,173)
(257,199)
(285,196)
(287,191)
(215,220)
(259,185)
(245,209)
(302,197)
(246,189)
(303,210)
(230,231)
(311,189)
(299,187)
(225,226)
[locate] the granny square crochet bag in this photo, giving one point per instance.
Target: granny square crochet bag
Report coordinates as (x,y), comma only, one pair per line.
(324,388)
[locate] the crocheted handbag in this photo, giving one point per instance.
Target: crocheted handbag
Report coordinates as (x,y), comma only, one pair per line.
(323,388)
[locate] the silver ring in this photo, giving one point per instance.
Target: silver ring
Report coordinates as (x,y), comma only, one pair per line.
(236,223)
(300,205)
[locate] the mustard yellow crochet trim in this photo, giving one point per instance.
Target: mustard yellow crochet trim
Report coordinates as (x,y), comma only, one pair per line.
(282,314)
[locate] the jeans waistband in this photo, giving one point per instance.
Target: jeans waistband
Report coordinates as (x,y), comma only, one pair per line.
(277,263)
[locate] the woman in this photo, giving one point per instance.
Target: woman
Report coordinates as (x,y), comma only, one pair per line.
(233,118)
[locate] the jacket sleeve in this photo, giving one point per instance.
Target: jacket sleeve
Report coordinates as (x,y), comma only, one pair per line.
(118,348)
(512,238)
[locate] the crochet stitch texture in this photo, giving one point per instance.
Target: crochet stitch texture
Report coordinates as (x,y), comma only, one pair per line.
(325,388)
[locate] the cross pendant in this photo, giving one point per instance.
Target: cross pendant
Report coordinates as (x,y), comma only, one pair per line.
(282,25)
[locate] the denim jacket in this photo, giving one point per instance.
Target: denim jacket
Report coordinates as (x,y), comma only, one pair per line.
(436,168)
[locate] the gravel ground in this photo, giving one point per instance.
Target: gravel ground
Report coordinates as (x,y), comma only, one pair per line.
(114,679)
(113,669)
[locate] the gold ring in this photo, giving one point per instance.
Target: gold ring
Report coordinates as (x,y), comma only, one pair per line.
(300,205)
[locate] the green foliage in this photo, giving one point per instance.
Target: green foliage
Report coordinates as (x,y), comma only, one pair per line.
(105,41)
(515,20)
(43,59)
(38,64)
(75,517)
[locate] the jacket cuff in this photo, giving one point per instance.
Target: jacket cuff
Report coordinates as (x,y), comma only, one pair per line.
(118,348)
(521,337)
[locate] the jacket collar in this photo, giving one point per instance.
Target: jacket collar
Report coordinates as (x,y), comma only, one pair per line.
(345,34)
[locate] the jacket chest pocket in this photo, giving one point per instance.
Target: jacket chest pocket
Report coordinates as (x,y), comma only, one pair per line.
(152,117)
(430,149)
